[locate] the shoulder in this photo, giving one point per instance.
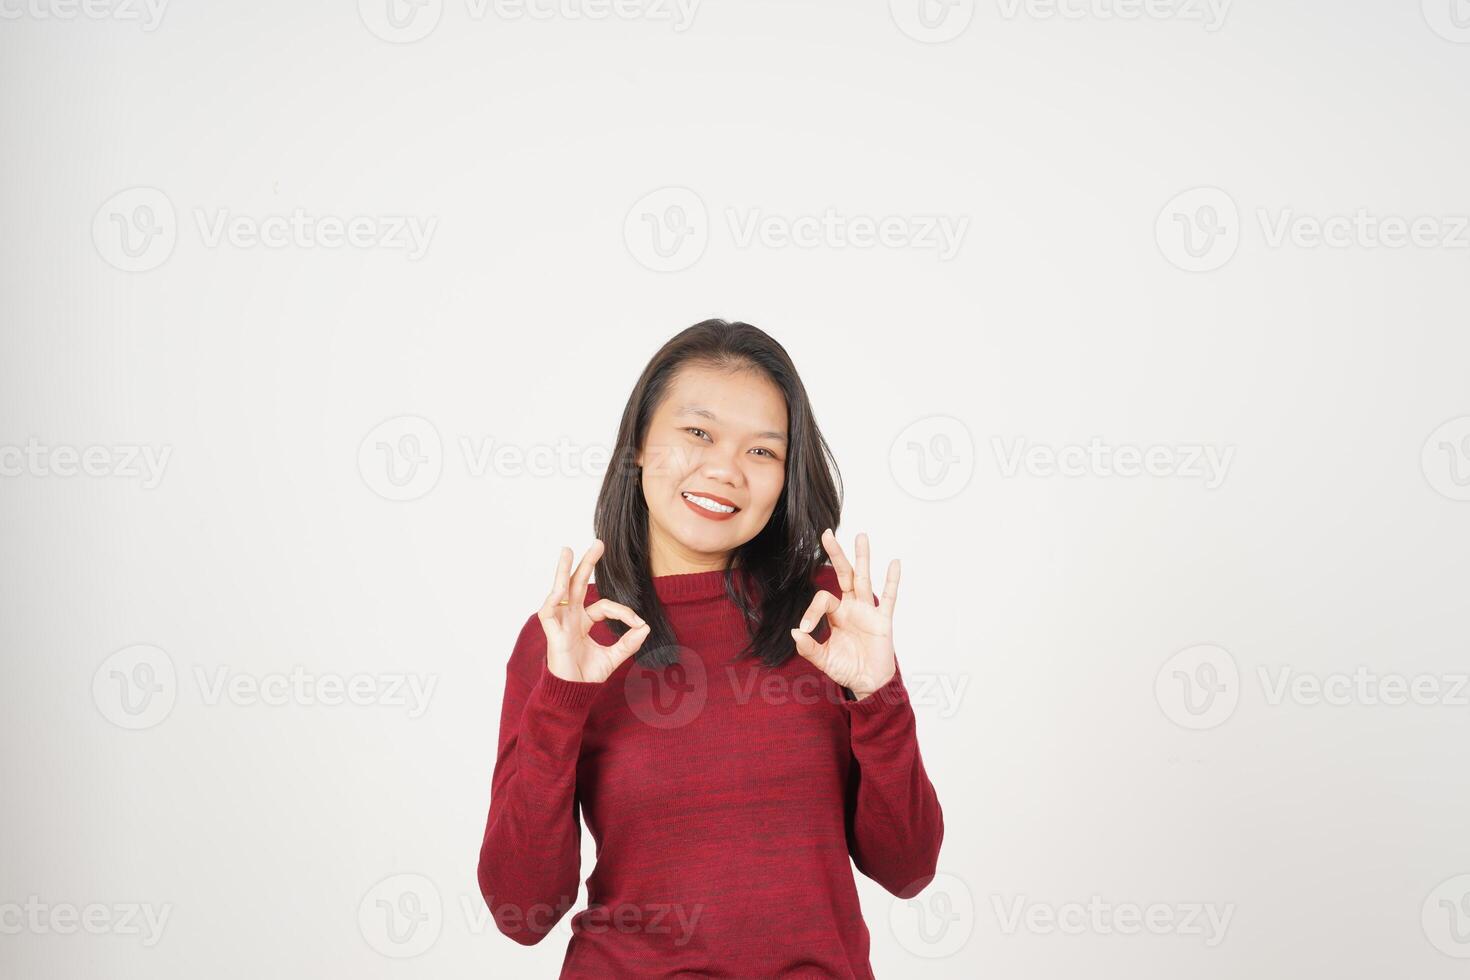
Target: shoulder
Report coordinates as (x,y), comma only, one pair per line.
(528,652)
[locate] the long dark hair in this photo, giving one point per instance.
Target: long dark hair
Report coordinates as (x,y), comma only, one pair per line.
(781,560)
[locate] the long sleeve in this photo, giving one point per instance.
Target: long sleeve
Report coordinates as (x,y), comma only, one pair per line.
(530,859)
(894,822)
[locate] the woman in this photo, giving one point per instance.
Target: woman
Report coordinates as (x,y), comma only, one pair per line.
(723,707)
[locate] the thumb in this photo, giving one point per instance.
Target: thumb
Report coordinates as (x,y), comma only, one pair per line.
(628,644)
(805,645)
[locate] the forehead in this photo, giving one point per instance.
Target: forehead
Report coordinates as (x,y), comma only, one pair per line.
(746,398)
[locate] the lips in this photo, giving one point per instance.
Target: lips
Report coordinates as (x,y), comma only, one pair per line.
(709,514)
(713,496)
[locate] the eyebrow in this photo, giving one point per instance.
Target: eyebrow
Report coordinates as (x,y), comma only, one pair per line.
(706,413)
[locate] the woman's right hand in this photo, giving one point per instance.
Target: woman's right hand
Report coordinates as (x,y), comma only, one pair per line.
(571,653)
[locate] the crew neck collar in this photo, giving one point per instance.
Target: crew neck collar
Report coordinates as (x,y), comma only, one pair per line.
(689,586)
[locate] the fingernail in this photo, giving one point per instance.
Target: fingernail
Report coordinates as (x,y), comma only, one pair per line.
(804,623)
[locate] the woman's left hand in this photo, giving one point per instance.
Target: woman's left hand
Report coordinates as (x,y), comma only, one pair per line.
(858,653)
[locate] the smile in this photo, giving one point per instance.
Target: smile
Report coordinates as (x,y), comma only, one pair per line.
(708,506)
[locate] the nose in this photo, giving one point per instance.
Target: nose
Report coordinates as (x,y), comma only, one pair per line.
(720,465)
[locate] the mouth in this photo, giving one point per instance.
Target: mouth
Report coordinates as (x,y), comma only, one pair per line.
(709,505)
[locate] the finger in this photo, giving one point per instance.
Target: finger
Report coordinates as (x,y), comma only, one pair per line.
(607,609)
(809,649)
(563,559)
(862,583)
(840,564)
(627,645)
(822,603)
(559,579)
(890,589)
(550,620)
(578,588)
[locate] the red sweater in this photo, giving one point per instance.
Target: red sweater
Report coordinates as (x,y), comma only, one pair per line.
(724,797)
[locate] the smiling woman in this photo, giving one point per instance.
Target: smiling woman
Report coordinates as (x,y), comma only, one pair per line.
(719,412)
(722,708)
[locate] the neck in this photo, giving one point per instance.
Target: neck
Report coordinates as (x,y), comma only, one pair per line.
(670,558)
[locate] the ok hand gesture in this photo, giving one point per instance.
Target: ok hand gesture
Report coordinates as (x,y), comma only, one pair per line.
(571,653)
(858,653)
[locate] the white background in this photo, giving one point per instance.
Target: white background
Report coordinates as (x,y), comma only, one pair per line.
(1070,759)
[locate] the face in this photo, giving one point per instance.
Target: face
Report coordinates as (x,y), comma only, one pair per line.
(719,436)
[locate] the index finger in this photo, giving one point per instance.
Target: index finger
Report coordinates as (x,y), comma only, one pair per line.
(584,573)
(840,564)
(563,566)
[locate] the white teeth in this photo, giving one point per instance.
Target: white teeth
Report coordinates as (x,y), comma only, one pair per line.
(708,504)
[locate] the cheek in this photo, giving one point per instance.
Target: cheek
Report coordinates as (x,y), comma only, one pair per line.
(765,493)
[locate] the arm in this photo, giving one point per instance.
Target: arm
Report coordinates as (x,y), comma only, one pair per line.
(894,822)
(530,859)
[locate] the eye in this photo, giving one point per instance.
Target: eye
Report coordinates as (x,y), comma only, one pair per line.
(766,451)
(694,429)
